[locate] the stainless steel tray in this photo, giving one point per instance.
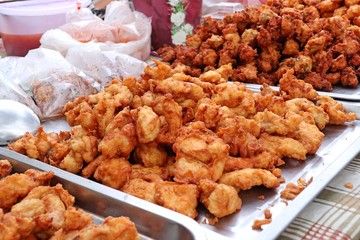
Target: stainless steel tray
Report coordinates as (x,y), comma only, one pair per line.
(152,221)
(341,93)
(340,146)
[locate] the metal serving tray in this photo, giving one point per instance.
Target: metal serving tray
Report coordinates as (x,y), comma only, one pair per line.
(341,93)
(341,144)
(152,221)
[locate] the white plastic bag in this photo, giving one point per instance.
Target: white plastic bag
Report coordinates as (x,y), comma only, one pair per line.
(52,81)
(122,30)
(103,66)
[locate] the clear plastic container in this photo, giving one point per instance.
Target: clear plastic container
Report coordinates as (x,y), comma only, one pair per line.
(22,23)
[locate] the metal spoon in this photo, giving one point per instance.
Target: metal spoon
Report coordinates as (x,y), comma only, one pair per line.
(15,120)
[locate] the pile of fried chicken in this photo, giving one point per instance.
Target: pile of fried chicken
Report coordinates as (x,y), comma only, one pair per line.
(320,40)
(177,140)
(32,209)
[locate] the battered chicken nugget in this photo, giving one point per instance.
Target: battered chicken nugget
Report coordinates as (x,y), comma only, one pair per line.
(147,125)
(220,199)
(181,198)
(150,155)
(335,110)
(18,185)
(149,173)
(291,87)
(283,146)
(111,228)
(199,149)
(309,135)
(241,135)
(265,160)
(140,188)
(113,172)
(5,168)
(82,147)
(247,178)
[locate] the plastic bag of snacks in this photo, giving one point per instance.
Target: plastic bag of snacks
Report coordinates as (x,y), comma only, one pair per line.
(122,30)
(171,20)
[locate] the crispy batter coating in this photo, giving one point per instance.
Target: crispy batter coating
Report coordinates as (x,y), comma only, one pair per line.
(113,172)
(247,178)
(18,185)
(181,198)
(220,199)
(5,168)
(200,153)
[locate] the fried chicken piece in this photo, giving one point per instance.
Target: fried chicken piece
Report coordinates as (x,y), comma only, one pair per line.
(348,78)
(328,6)
(335,110)
(82,147)
(309,135)
(18,185)
(283,146)
(303,105)
(160,71)
(208,112)
(291,87)
(318,81)
(120,136)
(180,90)
(200,153)
(111,228)
(240,133)
(274,124)
(38,215)
(140,188)
(291,48)
(147,125)
(246,73)
(150,155)
(74,220)
(5,168)
(165,105)
(35,146)
(258,223)
(233,95)
(154,173)
(178,197)
(113,172)
(264,160)
(247,178)
(220,199)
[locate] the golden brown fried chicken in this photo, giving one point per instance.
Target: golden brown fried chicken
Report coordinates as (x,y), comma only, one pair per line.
(113,172)
(38,215)
(335,110)
(247,178)
(241,135)
(147,125)
(165,105)
(140,188)
(5,168)
(82,147)
(181,198)
(291,87)
(111,228)
(265,160)
(18,185)
(120,136)
(200,153)
(283,146)
(309,135)
(220,199)
(272,123)
(150,155)
(303,105)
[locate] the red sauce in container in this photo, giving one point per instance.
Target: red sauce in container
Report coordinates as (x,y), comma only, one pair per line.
(19,45)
